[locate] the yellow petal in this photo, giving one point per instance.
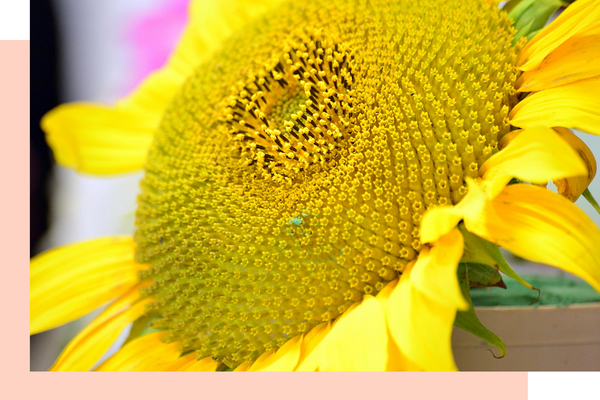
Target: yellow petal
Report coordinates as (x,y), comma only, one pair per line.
(541,226)
(82,353)
(573,187)
(358,341)
(185,362)
(438,221)
(101,139)
(579,17)
(206,364)
(69,282)
(285,359)
(420,326)
(578,58)
(434,273)
(386,293)
(264,356)
(507,138)
(146,353)
(397,361)
(536,155)
(243,367)
(576,106)
(311,347)
(97,139)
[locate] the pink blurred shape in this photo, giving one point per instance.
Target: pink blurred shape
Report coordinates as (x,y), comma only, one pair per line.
(153,36)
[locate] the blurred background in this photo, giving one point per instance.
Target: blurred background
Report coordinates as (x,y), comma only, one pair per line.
(99,51)
(87,50)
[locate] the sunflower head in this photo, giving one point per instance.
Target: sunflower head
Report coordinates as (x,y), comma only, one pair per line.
(289,175)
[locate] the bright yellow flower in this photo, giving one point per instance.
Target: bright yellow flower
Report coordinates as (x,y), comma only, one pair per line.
(307,165)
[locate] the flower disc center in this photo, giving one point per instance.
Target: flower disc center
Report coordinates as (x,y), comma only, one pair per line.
(289,177)
(294,114)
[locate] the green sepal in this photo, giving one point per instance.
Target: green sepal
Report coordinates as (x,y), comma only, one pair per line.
(588,196)
(480,251)
(468,321)
(141,327)
(530,16)
(481,275)
(532,34)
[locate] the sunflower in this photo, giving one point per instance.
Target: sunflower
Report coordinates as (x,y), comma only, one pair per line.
(324,180)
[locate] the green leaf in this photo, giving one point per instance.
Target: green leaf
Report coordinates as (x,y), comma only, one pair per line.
(588,196)
(480,251)
(531,35)
(509,6)
(468,321)
(530,16)
(481,275)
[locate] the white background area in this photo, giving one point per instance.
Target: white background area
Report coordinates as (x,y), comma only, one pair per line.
(563,385)
(14,19)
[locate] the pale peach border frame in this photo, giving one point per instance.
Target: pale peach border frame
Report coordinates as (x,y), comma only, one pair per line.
(19,383)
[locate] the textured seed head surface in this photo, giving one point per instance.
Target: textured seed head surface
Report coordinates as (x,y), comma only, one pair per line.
(290,174)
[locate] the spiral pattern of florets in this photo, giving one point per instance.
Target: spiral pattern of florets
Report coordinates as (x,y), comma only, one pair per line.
(289,176)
